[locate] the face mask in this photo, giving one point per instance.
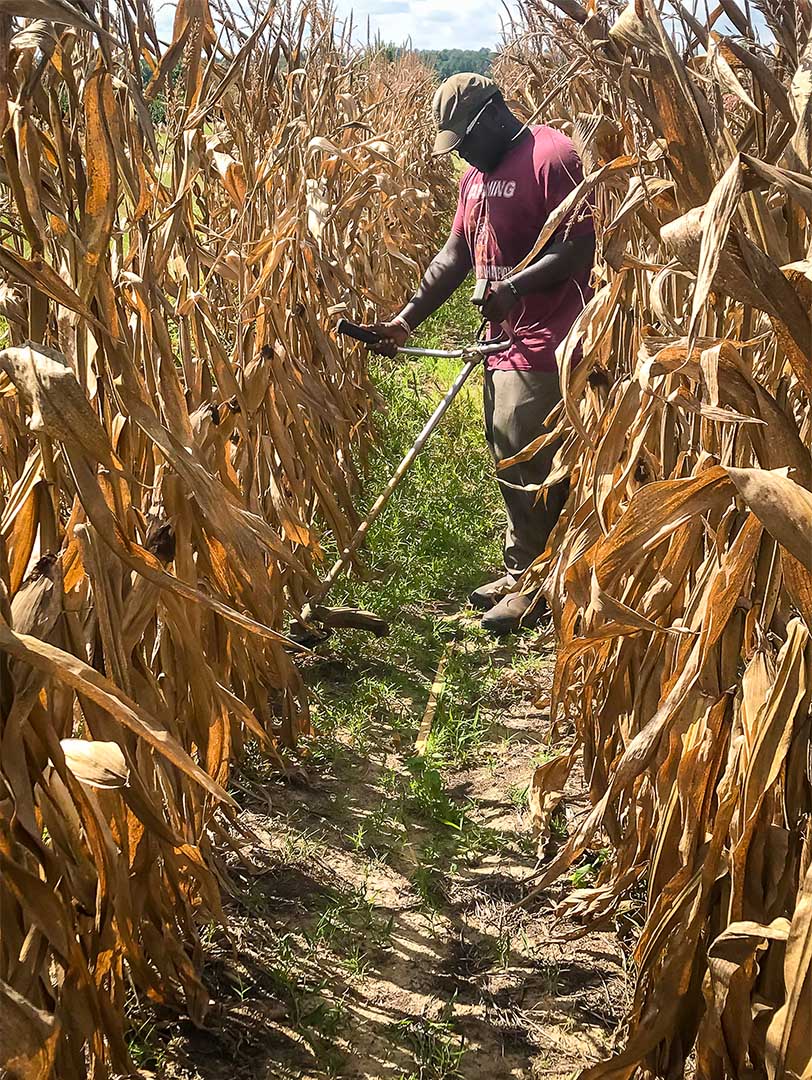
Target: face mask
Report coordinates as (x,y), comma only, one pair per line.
(484,156)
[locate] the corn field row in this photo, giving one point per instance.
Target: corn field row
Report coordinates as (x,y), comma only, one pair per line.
(680,575)
(182,224)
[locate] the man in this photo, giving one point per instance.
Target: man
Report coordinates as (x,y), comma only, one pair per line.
(517,176)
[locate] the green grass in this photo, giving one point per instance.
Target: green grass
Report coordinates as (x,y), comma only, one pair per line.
(437,1048)
(517,795)
(457,735)
(439,536)
(439,533)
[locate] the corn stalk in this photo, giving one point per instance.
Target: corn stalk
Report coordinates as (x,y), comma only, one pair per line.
(680,575)
(181,226)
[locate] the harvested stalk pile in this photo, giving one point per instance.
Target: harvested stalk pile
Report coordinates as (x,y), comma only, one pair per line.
(181,226)
(680,576)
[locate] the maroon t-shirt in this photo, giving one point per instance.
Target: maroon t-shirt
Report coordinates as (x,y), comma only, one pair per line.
(501,214)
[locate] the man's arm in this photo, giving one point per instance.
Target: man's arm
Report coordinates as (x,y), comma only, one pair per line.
(559,262)
(447,271)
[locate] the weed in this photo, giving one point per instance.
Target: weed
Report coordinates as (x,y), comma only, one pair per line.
(321,750)
(282,970)
(144,1046)
(549,973)
(431,874)
(351,925)
(357,839)
(386,830)
(586,872)
(319,1026)
(544,754)
(356,962)
(427,797)
(476,841)
(456,737)
(517,795)
(317,1016)
(559,826)
(523,668)
(504,945)
(438,1049)
(209,932)
(582,875)
(493,762)
(541,1068)
(300,846)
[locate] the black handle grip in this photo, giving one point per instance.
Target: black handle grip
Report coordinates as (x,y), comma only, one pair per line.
(358,333)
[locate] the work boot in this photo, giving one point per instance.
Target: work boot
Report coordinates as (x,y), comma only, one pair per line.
(514,612)
(486,596)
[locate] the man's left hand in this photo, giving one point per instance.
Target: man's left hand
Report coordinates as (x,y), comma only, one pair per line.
(501,301)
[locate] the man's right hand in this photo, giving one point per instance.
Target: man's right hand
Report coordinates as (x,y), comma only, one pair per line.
(393,335)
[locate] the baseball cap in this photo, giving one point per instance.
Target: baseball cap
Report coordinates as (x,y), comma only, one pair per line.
(456,104)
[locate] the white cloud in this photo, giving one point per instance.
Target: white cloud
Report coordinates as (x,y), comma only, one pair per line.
(435,24)
(428,24)
(389,7)
(164,19)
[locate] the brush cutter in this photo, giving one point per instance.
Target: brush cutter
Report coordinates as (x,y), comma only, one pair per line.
(315,611)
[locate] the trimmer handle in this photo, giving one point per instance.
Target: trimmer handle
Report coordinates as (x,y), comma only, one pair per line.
(493,345)
(482,347)
(358,333)
(482,290)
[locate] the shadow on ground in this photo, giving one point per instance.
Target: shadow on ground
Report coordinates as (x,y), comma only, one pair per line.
(375,934)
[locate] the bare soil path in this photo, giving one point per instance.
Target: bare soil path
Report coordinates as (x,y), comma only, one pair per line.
(375,935)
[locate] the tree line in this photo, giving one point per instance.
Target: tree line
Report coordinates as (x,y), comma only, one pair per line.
(447,62)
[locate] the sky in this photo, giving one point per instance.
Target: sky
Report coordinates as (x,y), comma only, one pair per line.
(430,24)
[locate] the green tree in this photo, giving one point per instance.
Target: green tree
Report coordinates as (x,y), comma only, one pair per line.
(447,62)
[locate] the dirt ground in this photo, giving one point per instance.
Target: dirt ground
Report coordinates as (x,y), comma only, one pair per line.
(375,934)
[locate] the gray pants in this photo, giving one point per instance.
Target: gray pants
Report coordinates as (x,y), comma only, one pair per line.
(516,403)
